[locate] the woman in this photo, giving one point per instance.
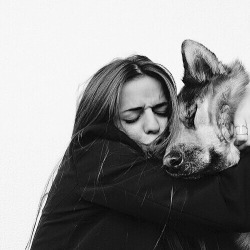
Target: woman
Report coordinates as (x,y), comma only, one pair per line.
(111,191)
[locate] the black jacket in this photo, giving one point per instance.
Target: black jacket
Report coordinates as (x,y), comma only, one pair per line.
(108,195)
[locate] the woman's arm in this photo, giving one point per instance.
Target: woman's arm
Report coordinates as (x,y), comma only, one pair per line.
(242,118)
(113,174)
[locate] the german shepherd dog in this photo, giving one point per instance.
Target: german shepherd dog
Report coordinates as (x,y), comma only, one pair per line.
(211,94)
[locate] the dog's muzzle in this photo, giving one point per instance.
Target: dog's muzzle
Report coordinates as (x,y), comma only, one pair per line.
(172,161)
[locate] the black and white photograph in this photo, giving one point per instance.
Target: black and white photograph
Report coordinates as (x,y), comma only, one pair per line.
(125,125)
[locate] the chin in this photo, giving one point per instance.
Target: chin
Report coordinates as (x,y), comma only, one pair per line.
(147,147)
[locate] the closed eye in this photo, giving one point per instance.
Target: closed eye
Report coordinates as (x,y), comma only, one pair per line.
(161,109)
(131,120)
(133,116)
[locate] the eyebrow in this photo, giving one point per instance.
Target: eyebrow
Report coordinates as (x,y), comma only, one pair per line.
(137,109)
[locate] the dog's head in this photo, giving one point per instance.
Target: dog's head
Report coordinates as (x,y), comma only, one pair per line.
(204,142)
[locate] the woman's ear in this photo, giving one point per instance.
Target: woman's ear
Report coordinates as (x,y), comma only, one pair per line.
(200,64)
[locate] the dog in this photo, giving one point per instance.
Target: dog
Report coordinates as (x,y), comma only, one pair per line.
(205,141)
(207,104)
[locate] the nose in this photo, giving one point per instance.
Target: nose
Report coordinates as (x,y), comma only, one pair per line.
(173,161)
(151,124)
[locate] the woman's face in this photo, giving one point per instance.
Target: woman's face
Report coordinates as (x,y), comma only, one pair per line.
(143,109)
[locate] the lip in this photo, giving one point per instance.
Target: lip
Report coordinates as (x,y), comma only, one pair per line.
(145,146)
(149,143)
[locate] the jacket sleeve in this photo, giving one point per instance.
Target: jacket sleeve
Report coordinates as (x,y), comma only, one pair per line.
(113,174)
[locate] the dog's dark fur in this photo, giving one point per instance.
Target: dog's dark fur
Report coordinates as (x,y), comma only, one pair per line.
(207,104)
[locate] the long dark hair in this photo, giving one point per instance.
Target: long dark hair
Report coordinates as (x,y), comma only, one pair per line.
(99,102)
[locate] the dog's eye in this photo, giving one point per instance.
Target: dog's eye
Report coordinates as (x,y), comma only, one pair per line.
(189,123)
(190,115)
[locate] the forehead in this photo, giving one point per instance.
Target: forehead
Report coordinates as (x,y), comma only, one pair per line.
(141,91)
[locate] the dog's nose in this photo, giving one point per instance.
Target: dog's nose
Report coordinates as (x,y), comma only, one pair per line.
(173,161)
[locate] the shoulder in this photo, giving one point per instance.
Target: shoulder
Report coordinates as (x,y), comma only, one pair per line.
(96,140)
(107,154)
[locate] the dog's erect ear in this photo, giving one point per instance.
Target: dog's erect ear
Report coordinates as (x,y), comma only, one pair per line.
(200,64)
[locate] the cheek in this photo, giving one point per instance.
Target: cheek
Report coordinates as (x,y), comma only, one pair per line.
(163,122)
(134,131)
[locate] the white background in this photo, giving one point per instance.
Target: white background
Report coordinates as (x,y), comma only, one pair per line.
(49,47)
